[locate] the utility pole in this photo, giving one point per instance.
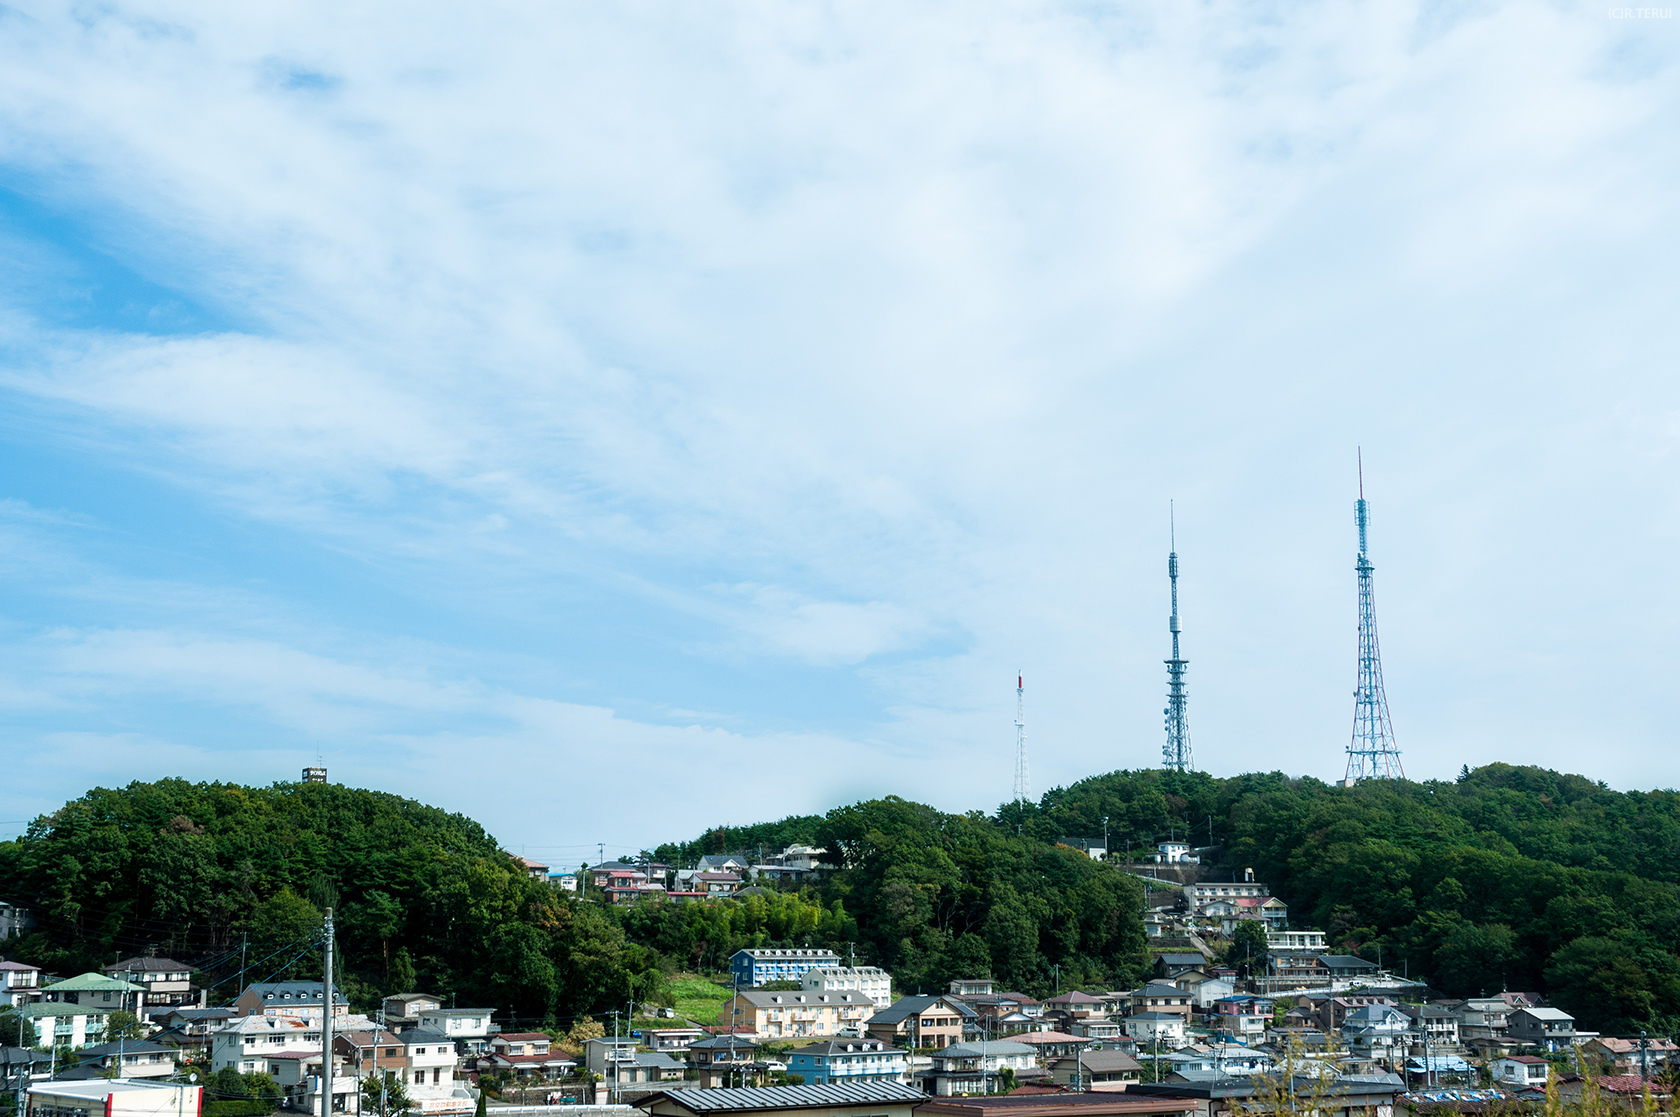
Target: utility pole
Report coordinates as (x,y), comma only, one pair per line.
(244,945)
(326,1014)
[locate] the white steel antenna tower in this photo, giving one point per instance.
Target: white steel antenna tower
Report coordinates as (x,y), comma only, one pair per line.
(1372,753)
(1023,785)
(1175,754)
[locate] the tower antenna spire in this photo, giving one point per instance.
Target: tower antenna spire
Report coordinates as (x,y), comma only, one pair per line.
(1175,754)
(1372,753)
(1023,786)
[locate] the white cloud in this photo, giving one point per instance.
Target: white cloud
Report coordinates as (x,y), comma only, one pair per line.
(871,342)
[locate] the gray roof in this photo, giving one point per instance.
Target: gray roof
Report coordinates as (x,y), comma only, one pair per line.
(985,1047)
(291,990)
(129,1047)
(722,1043)
(21,1056)
(148,965)
(1346,962)
(1545,1013)
(760,1099)
(847,1046)
(457,1012)
(764,998)
(905,1006)
(658,1059)
(422,1035)
(1101,1062)
(1155,1017)
(1160,989)
(1175,958)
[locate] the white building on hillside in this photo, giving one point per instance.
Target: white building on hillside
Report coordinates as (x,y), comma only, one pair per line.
(872,981)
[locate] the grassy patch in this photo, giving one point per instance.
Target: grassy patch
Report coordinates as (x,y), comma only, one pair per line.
(700,999)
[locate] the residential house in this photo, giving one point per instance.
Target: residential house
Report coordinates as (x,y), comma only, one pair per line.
(1520,1070)
(468,1028)
(432,1060)
(672,1039)
(1205,988)
(19,983)
(776,1015)
(1242,1018)
(188,1030)
(1346,967)
(536,870)
(723,863)
(167,983)
(96,991)
(847,1060)
(247,1043)
(65,1024)
(303,999)
(1055,1045)
(528,1056)
(1077,1006)
(405,1008)
(1438,1025)
(761,967)
(922,1023)
(23,1065)
(1632,1056)
(1175,853)
(1155,1029)
(1380,1033)
(129,1059)
(872,981)
(1160,997)
(373,1051)
(642,1072)
(1482,1018)
(876,1099)
(972,987)
(1097,1071)
(1333,1011)
(1550,1029)
(1170,964)
(976,1068)
(565,882)
(721,1061)
(1299,970)
(1312,942)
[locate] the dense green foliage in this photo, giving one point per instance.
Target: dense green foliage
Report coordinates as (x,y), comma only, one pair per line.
(1508,878)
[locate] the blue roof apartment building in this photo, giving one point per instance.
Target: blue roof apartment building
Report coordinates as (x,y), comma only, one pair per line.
(836,1061)
(760,967)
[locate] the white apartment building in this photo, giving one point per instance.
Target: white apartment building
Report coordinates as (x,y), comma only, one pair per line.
(871,981)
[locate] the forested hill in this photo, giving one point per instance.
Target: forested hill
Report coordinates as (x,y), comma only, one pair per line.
(1509,877)
(425,899)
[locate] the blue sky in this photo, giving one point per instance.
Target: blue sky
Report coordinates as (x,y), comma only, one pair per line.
(612,421)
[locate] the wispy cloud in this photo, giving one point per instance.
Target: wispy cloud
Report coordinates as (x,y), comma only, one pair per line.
(820,367)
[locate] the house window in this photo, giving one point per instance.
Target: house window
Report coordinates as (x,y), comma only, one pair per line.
(419,1077)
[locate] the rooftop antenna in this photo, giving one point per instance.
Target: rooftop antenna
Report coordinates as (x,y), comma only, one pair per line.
(1372,753)
(1175,754)
(1023,785)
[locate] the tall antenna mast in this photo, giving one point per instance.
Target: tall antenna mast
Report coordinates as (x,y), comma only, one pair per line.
(1023,786)
(1175,754)
(1372,753)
